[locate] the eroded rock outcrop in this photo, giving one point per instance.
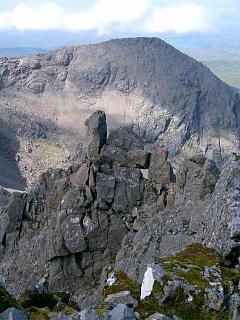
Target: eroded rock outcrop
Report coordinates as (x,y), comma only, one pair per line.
(119,210)
(96,133)
(69,227)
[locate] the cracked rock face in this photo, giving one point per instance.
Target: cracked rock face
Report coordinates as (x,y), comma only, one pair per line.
(200,206)
(70,225)
(75,226)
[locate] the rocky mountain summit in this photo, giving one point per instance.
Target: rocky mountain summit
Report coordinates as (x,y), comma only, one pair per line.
(172,100)
(125,235)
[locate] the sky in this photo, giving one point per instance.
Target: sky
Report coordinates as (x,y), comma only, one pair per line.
(103,19)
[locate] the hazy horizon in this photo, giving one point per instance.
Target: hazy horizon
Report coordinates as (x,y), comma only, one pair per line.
(57,23)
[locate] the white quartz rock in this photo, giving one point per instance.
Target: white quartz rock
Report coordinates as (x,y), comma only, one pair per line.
(147,284)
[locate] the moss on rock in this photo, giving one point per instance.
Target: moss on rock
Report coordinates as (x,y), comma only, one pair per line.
(6,300)
(68,310)
(229,275)
(42,300)
(194,276)
(39,300)
(39,305)
(195,254)
(38,313)
(177,304)
(102,309)
(182,289)
(123,283)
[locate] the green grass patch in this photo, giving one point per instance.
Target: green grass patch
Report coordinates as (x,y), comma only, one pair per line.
(38,313)
(229,275)
(195,277)
(123,283)
(177,304)
(188,266)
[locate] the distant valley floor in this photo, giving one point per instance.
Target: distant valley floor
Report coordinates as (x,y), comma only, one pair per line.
(224,64)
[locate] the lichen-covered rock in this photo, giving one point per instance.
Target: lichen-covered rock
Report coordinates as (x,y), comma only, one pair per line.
(190,285)
(187,216)
(196,277)
(122,145)
(121,283)
(89,314)
(122,297)
(73,234)
(105,187)
(75,226)
(235,306)
(122,312)
(129,189)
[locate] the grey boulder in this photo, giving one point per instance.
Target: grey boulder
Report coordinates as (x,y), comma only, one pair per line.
(13,314)
(123,297)
(89,314)
(158,316)
(121,141)
(122,312)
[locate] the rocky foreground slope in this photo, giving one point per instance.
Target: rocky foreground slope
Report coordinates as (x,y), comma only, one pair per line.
(172,99)
(125,234)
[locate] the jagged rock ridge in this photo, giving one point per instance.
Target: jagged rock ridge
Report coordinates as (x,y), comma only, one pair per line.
(118,210)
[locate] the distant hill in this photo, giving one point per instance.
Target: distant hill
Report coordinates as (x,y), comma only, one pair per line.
(19,52)
(171,99)
(225,65)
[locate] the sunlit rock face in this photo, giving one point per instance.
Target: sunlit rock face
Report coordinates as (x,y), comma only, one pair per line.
(172,99)
(75,226)
(169,178)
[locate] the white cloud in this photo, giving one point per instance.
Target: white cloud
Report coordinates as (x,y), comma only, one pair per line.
(4,20)
(104,15)
(46,17)
(110,11)
(123,12)
(80,21)
(179,19)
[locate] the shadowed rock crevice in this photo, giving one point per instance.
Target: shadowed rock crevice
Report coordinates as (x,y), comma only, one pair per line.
(232,259)
(10,175)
